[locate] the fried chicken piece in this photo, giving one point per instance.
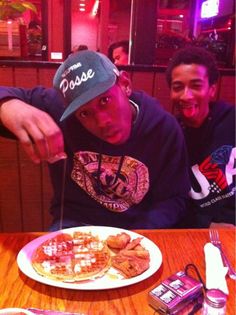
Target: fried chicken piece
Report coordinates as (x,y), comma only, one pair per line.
(118,241)
(134,243)
(133,260)
(130,265)
(141,253)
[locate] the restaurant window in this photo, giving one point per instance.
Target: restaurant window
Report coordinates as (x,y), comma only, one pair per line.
(205,23)
(173,28)
(97,24)
(119,21)
(170,25)
(21,29)
(215,29)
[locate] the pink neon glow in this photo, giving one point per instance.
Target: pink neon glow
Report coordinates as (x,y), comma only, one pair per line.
(209,8)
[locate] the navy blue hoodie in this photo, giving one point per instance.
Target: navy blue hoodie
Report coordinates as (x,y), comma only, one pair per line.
(142,183)
(212,152)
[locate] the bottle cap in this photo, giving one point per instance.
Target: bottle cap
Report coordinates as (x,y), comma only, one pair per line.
(216,298)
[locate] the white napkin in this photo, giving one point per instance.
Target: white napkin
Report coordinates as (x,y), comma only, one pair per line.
(215,270)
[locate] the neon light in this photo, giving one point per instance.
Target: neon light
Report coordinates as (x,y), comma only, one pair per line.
(209,8)
(95,8)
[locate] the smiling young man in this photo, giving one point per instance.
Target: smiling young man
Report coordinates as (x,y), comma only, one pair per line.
(209,129)
(126,158)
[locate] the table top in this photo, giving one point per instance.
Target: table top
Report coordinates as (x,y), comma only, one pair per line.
(178,247)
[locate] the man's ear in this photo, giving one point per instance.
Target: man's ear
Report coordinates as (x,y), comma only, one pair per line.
(212,91)
(125,82)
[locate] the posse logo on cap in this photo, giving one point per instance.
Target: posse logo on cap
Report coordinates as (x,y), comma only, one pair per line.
(83,76)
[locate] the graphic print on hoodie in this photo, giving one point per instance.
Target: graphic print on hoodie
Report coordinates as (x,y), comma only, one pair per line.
(215,176)
(115,182)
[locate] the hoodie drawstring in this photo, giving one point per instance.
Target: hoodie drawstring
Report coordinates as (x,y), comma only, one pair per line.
(100,185)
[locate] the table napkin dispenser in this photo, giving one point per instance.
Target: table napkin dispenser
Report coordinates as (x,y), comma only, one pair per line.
(175,293)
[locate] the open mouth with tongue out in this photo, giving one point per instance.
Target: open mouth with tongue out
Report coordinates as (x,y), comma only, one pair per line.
(188,110)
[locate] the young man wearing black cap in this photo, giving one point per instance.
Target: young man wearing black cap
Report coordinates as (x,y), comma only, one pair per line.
(126,161)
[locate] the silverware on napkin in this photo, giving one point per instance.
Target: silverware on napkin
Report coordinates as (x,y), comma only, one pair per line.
(215,240)
(215,269)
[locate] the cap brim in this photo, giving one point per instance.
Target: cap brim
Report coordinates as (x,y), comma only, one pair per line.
(88,96)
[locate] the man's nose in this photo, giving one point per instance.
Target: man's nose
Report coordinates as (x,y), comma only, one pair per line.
(187,94)
(102,119)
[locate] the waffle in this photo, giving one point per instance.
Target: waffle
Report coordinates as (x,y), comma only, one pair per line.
(71,258)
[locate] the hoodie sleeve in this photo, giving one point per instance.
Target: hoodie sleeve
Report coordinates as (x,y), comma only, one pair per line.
(48,100)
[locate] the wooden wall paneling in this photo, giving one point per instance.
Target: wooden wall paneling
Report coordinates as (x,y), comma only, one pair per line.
(10,190)
(227,89)
(162,91)
(143,81)
(47,193)
(46,77)
(31,189)
(26,77)
(6,76)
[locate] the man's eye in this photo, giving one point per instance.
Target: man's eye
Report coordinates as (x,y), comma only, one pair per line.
(104,100)
(177,88)
(197,86)
(84,114)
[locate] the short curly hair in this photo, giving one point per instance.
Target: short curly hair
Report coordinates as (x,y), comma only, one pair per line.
(196,55)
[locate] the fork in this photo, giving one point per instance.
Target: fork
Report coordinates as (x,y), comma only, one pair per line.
(215,240)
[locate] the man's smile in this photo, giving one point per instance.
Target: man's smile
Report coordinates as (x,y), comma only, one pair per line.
(188,110)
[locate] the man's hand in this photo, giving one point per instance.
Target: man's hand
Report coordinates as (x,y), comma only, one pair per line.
(38,133)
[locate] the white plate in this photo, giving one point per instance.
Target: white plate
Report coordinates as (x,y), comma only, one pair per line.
(110,280)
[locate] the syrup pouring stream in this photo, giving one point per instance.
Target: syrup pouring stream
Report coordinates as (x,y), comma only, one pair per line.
(63,193)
